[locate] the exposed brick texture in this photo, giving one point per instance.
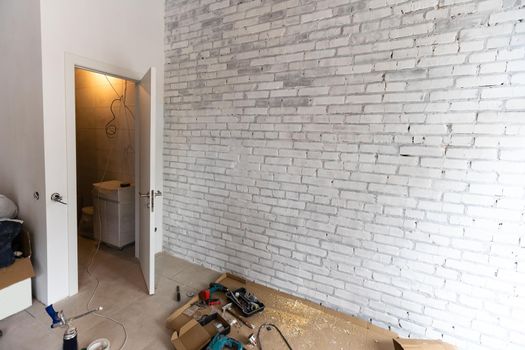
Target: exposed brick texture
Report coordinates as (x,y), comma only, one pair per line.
(367,155)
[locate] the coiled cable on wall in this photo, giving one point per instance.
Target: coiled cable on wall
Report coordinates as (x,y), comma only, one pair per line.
(111,127)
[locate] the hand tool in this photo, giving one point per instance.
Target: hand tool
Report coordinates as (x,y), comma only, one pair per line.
(252,339)
(220,342)
(227,308)
(247,302)
(252,299)
(205,295)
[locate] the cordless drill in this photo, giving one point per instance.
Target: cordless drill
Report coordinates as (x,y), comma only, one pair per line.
(205,295)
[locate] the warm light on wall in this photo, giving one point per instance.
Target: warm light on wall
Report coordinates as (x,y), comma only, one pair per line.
(99,79)
(105,131)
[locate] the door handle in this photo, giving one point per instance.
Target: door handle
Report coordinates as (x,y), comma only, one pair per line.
(150,198)
(151,195)
(154,194)
(57,197)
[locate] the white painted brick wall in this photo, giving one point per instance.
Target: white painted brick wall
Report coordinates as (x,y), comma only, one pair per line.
(367,155)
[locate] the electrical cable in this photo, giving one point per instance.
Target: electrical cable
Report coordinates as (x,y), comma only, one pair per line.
(269,328)
(110,127)
(111,131)
(129,151)
(90,273)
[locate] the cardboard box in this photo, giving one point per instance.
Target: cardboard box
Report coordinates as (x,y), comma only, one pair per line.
(188,334)
(15,280)
(191,335)
(420,344)
(22,268)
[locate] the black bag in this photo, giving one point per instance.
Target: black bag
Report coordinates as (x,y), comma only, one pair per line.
(9,230)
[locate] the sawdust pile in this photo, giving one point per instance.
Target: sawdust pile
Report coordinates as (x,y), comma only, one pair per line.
(296,316)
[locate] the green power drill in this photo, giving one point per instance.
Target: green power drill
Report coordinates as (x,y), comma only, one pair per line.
(219,342)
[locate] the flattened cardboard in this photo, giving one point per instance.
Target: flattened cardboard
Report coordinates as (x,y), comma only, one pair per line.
(419,344)
(379,338)
(307,325)
(22,268)
(193,336)
(177,319)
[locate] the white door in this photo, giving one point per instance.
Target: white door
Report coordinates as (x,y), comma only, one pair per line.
(146,187)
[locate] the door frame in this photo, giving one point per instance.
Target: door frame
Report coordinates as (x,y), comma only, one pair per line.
(71,62)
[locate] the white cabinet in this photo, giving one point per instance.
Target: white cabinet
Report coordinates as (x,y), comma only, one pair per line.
(114,214)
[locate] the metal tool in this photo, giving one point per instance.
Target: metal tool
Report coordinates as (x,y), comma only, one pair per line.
(227,308)
(252,339)
(247,302)
(252,299)
(220,342)
(235,323)
(205,295)
(71,333)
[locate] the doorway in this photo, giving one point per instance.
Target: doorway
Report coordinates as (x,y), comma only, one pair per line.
(110,178)
(105,166)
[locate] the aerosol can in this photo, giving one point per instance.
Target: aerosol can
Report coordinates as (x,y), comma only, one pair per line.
(71,333)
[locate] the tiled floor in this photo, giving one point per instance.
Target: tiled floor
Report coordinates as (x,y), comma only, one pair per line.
(122,293)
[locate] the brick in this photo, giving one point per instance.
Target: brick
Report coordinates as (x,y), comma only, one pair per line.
(412,30)
(512,15)
(365,155)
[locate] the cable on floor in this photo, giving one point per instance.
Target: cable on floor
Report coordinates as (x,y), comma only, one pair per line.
(269,327)
(88,270)
(111,131)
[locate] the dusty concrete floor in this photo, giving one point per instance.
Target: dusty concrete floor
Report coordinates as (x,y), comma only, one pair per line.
(122,293)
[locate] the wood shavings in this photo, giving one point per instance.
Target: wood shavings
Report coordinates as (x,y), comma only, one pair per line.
(308,326)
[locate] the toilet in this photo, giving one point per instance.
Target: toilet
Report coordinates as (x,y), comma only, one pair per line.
(85,225)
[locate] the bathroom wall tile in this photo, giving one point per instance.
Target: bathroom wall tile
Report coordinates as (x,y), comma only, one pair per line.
(98,156)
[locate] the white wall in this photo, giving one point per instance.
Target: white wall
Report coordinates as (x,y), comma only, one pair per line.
(122,33)
(21,127)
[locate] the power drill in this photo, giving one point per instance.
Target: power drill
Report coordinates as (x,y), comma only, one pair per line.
(219,342)
(205,295)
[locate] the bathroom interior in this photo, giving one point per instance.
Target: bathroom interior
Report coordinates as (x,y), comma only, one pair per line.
(105,164)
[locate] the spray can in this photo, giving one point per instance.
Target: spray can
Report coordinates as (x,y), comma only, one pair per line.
(71,333)
(70,339)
